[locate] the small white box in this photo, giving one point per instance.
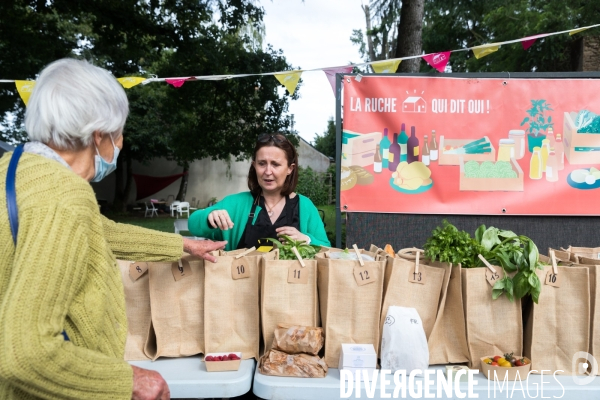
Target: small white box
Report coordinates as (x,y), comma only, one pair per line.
(355,355)
(361,376)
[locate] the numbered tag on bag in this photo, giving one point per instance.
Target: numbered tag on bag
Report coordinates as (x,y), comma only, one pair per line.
(364,275)
(416,277)
(240,269)
(492,277)
(297,274)
(181,269)
(552,279)
(137,269)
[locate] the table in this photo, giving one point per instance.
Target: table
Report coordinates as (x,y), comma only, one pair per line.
(274,387)
(187,377)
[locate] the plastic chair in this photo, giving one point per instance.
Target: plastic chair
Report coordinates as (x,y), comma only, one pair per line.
(183,207)
(181,225)
(150,209)
(174,207)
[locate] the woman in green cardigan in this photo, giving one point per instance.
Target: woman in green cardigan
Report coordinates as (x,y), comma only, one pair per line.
(269,209)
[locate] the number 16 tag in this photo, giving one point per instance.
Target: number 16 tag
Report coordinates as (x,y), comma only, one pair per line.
(364,275)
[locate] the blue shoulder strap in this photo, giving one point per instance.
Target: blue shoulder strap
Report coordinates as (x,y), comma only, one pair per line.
(11,199)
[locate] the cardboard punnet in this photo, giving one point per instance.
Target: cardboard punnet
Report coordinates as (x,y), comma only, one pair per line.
(354,355)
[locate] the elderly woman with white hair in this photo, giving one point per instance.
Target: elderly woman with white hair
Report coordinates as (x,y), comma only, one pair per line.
(62,321)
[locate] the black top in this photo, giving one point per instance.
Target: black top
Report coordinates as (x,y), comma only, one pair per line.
(263,228)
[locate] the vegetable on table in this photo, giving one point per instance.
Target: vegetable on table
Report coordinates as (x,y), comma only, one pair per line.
(306,251)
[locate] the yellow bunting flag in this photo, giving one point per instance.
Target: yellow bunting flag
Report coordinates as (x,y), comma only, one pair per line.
(289,80)
(486,49)
(574,31)
(130,81)
(25,88)
(385,67)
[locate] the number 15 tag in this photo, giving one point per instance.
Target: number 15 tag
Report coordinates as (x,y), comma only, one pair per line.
(364,275)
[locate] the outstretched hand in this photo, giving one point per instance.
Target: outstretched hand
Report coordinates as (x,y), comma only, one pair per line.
(202,248)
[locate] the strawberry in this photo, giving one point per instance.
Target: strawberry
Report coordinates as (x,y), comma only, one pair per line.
(233,357)
(220,358)
(208,358)
(225,358)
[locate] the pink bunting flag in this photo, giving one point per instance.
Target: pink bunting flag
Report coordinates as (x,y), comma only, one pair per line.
(330,73)
(176,82)
(438,60)
(528,41)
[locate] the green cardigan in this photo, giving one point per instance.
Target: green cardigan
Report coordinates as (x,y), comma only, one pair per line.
(238,206)
(63,275)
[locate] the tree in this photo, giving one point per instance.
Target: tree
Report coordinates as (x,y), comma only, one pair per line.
(326,143)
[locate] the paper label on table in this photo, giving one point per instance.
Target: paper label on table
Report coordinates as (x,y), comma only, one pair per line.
(552,279)
(364,275)
(137,269)
(181,269)
(240,269)
(492,277)
(264,249)
(416,277)
(297,274)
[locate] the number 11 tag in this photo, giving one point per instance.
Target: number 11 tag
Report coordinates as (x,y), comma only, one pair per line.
(364,275)
(297,274)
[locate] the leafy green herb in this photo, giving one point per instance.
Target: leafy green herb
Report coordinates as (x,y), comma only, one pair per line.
(306,251)
(448,244)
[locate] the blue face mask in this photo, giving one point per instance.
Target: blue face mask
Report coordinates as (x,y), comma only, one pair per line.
(103,167)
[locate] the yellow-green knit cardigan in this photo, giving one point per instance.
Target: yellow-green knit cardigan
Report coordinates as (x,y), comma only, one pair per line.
(63,275)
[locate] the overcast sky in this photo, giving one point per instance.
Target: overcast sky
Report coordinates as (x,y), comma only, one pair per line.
(313,34)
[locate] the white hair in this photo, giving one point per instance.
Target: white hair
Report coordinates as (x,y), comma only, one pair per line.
(71,100)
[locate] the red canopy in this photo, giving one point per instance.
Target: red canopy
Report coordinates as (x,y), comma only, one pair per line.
(148,185)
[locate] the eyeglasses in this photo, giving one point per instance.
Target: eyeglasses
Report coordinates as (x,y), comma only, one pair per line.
(267,137)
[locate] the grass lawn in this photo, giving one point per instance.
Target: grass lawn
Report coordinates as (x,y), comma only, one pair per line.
(164,222)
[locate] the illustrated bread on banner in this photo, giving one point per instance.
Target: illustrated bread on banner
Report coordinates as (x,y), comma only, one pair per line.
(350,297)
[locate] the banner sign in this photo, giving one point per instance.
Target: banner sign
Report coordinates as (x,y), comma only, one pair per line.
(471,146)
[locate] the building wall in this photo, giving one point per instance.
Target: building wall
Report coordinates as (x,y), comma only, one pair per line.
(591,53)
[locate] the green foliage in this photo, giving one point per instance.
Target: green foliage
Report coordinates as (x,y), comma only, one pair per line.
(306,251)
(326,143)
(448,244)
(537,117)
(311,184)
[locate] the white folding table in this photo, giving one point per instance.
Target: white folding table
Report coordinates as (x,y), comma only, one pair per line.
(187,377)
(274,387)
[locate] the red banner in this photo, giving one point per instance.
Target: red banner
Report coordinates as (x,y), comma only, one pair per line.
(502,146)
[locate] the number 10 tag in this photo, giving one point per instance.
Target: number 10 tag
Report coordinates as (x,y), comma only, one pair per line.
(240,269)
(364,275)
(297,274)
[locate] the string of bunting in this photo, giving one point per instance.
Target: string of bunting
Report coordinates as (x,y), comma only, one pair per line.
(290,79)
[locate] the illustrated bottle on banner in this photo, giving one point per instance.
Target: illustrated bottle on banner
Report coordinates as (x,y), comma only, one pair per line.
(426,153)
(394,154)
(433,147)
(535,164)
(403,142)
(560,152)
(552,166)
(545,151)
(413,146)
(384,148)
(377,160)
(550,137)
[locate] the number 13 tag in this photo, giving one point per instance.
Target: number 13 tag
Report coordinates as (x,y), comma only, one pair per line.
(364,275)
(416,277)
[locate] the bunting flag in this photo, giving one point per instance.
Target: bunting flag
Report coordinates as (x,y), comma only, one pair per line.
(289,80)
(177,82)
(574,31)
(383,67)
(130,81)
(438,60)
(330,73)
(25,88)
(484,50)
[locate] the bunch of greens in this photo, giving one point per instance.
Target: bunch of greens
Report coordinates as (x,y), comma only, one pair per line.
(306,251)
(517,255)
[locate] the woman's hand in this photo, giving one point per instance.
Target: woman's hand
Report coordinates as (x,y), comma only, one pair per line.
(202,248)
(292,233)
(149,385)
(220,219)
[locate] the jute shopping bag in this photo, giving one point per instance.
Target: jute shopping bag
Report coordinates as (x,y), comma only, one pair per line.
(350,307)
(177,307)
(587,252)
(137,307)
(593,265)
(288,295)
(448,339)
(231,303)
(492,326)
(419,287)
(558,325)
(563,256)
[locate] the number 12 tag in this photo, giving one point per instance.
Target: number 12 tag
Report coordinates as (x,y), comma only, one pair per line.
(416,277)
(297,274)
(364,275)
(240,269)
